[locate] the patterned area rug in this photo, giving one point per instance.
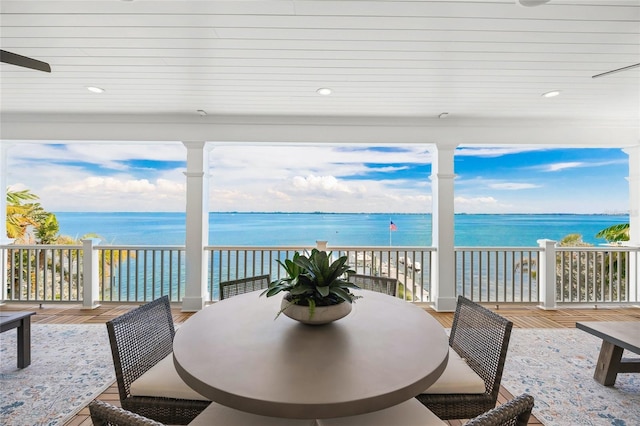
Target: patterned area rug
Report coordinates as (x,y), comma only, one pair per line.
(556,367)
(70,366)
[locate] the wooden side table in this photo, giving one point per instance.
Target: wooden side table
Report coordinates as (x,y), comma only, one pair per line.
(22,321)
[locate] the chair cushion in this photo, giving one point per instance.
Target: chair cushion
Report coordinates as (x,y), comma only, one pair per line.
(457,377)
(218,414)
(162,380)
(408,413)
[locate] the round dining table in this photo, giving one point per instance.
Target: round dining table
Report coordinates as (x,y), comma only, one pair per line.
(237,353)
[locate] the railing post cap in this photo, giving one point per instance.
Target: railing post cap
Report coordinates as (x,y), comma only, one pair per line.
(92,240)
(546,242)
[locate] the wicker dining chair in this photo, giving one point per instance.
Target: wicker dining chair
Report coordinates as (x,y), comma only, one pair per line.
(515,412)
(243,285)
(103,414)
(481,338)
(384,285)
(139,340)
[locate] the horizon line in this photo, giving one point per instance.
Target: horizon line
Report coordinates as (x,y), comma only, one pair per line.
(374,213)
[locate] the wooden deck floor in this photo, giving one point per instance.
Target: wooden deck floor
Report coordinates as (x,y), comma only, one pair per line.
(522,317)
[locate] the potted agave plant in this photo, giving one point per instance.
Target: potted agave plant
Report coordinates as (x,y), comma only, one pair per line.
(316,289)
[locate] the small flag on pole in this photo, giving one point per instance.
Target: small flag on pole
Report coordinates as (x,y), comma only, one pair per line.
(392,226)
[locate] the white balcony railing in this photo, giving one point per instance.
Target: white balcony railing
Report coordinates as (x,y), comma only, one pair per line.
(140,273)
(54,273)
(43,272)
(596,275)
(498,274)
(402,263)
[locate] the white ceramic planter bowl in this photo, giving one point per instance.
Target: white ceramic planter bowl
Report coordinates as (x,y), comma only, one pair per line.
(321,314)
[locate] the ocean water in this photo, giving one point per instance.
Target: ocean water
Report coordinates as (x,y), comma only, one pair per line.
(280,229)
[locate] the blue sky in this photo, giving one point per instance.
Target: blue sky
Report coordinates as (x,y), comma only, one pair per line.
(347,178)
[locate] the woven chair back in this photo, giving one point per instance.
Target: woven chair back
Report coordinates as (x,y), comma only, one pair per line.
(515,412)
(139,340)
(384,285)
(243,285)
(103,414)
(481,337)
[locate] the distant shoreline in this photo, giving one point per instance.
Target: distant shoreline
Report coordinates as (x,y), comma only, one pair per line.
(337,213)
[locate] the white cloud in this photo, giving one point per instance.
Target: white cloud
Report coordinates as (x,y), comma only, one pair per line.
(314,178)
(106,154)
(311,159)
(242,178)
(170,187)
(493,151)
(98,193)
(513,186)
(98,184)
(111,177)
(555,167)
(475,201)
(325,193)
(66,178)
(319,184)
(486,205)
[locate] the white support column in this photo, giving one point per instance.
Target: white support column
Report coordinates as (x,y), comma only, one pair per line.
(197,226)
(547,275)
(633,292)
(634,222)
(634,194)
(4,268)
(90,274)
(443,284)
(4,147)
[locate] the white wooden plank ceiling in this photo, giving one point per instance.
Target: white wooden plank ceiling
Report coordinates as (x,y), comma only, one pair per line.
(472,59)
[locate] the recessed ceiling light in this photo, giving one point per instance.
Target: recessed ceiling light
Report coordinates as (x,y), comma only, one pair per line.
(531,3)
(551,94)
(324,91)
(95,89)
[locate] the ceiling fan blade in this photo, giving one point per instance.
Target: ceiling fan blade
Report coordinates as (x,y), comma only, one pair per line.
(23,61)
(616,70)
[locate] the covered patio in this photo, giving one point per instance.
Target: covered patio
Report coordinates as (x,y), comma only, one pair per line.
(437,74)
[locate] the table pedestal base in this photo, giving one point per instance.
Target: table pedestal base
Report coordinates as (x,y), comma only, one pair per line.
(610,363)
